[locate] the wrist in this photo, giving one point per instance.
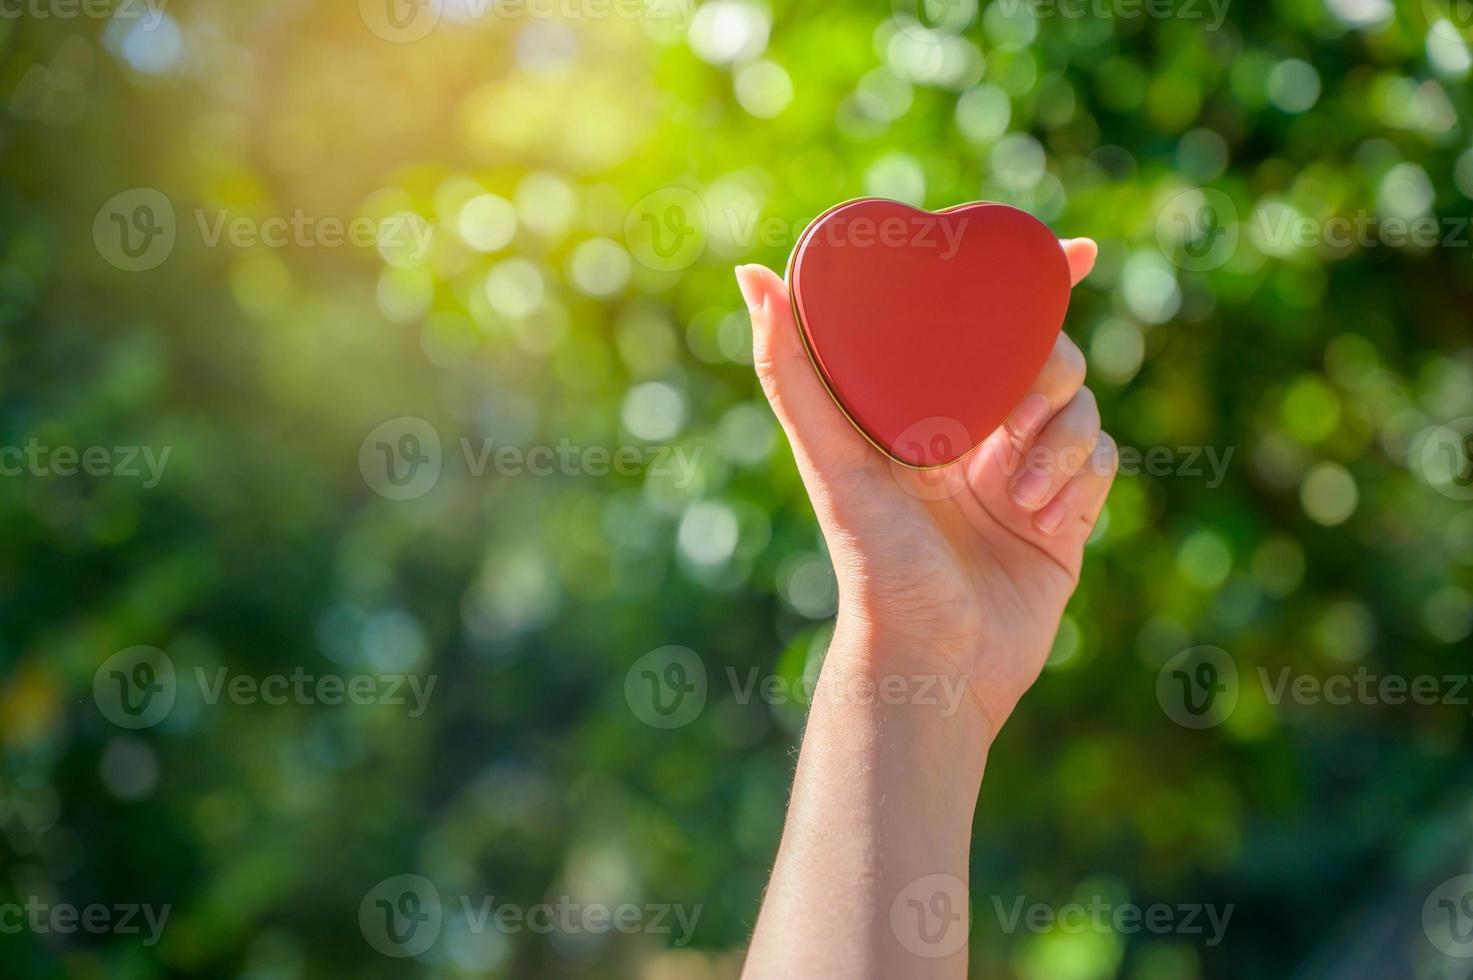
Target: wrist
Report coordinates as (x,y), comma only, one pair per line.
(923,703)
(944,678)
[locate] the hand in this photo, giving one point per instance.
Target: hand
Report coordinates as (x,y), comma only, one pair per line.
(964,571)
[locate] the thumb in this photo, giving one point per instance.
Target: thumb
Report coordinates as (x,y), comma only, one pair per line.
(821,436)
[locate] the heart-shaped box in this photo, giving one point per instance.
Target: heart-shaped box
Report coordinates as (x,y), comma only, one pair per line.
(927,327)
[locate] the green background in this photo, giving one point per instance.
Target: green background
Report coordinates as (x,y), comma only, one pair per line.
(1329,544)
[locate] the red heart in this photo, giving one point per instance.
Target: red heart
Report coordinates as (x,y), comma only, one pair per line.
(928,327)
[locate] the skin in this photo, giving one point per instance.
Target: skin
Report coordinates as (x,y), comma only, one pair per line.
(949,580)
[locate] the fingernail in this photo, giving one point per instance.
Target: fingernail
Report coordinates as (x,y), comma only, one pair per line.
(752,292)
(1050,520)
(1028,488)
(1028,417)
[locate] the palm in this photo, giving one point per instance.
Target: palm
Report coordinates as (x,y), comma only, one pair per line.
(955,568)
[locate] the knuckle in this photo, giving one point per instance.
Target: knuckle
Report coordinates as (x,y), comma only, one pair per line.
(1070,360)
(767,378)
(1073,458)
(764,362)
(1077,455)
(1040,458)
(1082,419)
(767,372)
(1107,453)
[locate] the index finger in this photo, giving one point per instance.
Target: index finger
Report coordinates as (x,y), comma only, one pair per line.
(1063,373)
(1081,253)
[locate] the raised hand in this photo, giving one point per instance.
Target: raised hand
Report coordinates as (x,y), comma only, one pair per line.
(963,570)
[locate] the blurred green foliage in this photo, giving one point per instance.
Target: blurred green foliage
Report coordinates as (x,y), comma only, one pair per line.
(544,311)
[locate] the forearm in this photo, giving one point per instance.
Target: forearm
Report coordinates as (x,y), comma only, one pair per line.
(882,801)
